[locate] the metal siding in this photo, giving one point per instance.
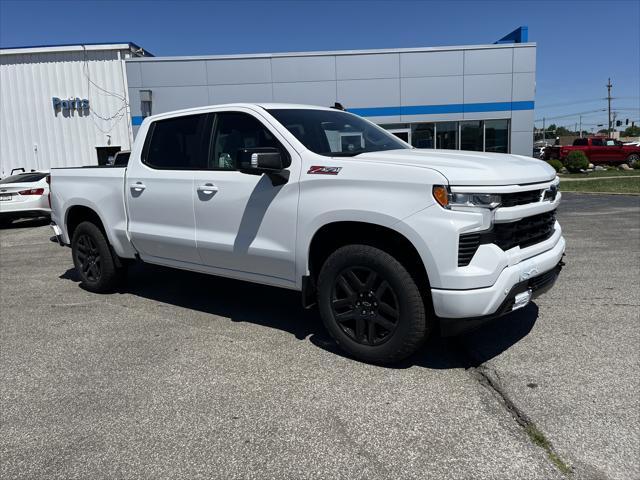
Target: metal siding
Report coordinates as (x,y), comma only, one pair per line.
(256,92)
(524,86)
(470,79)
(169,74)
(30,80)
(524,59)
(240,71)
(360,67)
(165,99)
(426,64)
(134,74)
(487,88)
(488,61)
(314,93)
(522,143)
(369,93)
(521,120)
(432,90)
(303,69)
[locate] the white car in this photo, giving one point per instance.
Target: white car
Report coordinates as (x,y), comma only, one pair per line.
(24,195)
(386,239)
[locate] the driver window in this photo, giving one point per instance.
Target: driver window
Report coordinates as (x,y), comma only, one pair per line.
(235,131)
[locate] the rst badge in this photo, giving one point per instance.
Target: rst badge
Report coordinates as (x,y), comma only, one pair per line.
(321,170)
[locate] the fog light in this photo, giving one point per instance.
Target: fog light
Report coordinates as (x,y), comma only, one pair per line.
(521,300)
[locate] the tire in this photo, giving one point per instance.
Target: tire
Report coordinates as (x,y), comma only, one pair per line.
(93,259)
(633,159)
(378,315)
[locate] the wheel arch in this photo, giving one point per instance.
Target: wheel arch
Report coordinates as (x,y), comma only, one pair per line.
(80,213)
(331,236)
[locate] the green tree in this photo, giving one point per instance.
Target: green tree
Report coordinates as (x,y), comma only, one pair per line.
(631,131)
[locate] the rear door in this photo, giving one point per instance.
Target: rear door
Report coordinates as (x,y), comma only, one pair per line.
(597,152)
(159,189)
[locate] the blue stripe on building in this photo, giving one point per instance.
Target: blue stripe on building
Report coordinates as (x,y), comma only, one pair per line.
(440,109)
(424,109)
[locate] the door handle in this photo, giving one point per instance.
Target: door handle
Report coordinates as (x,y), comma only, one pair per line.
(207,188)
(138,187)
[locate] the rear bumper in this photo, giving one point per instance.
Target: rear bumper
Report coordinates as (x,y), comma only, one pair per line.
(31,213)
(57,232)
(460,310)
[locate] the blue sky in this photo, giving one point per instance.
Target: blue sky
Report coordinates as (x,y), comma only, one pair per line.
(580,43)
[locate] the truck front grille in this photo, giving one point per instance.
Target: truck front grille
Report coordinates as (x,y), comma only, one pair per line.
(523,233)
(520,198)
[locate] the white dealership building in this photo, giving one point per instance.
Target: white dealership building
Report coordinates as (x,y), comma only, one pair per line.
(79,104)
(63,105)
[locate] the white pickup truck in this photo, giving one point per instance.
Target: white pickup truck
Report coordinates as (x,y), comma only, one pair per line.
(389,241)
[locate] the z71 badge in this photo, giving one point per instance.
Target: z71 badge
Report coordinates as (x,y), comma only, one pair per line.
(320,170)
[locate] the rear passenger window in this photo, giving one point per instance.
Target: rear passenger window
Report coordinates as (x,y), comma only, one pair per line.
(597,142)
(177,143)
(235,131)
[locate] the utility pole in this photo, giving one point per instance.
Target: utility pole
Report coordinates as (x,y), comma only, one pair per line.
(543,132)
(580,126)
(609,102)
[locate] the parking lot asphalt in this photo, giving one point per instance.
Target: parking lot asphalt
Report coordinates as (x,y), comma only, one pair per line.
(180,375)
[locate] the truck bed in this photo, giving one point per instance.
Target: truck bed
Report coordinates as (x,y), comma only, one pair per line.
(100,188)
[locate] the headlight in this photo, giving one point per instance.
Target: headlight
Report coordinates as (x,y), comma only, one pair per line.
(465,200)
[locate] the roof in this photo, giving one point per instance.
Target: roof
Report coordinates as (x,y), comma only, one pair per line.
(265,106)
(334,52)
(72,47)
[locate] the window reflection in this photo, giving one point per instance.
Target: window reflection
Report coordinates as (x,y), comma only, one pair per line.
(496,136)
(471,136)
(422,135)
(447,135)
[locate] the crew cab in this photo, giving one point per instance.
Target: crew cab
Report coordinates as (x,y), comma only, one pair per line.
(387,240)
(599,150)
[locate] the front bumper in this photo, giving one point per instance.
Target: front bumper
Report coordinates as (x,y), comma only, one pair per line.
(467,306)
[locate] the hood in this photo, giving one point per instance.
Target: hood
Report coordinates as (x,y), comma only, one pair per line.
(469,168)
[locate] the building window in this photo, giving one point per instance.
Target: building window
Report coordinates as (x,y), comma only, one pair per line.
(471,136)
(474,135)
(422,135)
(496,136)
(447,135)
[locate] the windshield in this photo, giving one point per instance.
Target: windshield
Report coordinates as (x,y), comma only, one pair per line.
(24,178)
(336,133)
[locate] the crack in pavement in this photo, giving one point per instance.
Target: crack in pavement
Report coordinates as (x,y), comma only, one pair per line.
(489,378)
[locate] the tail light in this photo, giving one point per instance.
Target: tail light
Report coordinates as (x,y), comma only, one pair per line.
(32,191)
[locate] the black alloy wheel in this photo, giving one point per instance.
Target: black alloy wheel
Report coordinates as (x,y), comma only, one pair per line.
(371,305)
(365,306)
(98,267)
(88,257)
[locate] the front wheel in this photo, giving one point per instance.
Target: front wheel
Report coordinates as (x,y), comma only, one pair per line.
(371,305)
(94,260)
(633,159)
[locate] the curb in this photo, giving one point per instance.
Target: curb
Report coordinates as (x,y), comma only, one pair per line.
(601,193)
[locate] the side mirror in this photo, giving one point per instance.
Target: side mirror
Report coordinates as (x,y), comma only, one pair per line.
(267,160)
(260,160)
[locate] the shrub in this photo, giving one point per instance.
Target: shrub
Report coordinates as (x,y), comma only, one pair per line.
(576,161)
(636,165)
(556,164)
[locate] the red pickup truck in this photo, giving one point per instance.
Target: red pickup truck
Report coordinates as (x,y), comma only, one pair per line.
(598,150)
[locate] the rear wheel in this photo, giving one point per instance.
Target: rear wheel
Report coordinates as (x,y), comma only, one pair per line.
(633,159)
(93,259)
(371,305)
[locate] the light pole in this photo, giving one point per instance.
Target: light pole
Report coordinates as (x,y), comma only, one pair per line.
(609,102)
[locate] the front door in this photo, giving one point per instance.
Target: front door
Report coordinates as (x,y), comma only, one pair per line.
(160,189)
(243,222)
